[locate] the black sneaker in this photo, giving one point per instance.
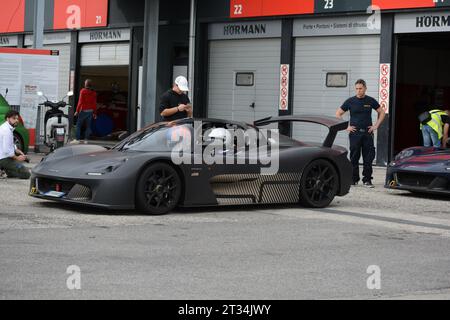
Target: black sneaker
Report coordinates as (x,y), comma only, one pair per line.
(369,185)
(355,183)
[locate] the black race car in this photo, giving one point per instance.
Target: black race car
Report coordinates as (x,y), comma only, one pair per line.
(420,170)
(140,172)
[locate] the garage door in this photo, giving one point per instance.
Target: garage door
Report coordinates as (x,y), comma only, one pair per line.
(107,54)
(315,57)
(243,79)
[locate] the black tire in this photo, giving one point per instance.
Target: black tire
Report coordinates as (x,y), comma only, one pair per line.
(319,184)
(18,141)
(158,190)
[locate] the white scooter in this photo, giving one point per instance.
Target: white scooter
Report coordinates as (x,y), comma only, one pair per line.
(56,123)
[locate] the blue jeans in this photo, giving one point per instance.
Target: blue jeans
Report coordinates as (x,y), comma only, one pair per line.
(84,117)
(430,137)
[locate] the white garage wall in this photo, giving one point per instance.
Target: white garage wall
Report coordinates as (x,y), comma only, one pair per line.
(314,57)
(261,56)
(107,54)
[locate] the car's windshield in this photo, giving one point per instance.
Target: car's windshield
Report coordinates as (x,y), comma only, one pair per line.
(160,137)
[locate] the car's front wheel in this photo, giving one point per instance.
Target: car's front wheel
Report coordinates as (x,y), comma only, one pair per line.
(319,184)
(18,142)
(158,189)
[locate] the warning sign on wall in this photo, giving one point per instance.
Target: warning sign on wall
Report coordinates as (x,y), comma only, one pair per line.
(284,87)
(385,84)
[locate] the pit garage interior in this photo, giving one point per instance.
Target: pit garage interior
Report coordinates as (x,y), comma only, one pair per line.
(107,66)
(422,83)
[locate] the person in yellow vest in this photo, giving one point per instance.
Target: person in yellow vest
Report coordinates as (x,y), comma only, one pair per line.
(435,131)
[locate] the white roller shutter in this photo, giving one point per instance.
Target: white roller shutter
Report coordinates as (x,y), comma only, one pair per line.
(64,67)
(105,54)
(358,56)
(260,57)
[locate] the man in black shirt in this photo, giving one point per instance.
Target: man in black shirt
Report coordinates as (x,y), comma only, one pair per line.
(175,104)
(361,130)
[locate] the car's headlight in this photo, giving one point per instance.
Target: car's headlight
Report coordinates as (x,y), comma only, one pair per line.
(106,167)
(404,154)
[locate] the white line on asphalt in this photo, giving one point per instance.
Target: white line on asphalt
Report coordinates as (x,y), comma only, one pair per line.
(400,221)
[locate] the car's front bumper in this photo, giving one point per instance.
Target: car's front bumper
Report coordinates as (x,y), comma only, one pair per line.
(106,194)
(420,182)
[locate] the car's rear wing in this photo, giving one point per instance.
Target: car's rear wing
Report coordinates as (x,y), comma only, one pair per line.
(333,124)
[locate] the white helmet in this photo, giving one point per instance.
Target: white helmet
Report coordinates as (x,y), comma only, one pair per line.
(221,134)
(182,83)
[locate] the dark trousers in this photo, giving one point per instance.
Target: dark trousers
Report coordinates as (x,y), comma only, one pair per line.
(362,142)
(84,118)
(14,169)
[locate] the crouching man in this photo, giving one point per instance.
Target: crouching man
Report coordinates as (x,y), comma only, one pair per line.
(11,158)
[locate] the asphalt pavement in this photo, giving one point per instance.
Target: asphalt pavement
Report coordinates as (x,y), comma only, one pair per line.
(370,244)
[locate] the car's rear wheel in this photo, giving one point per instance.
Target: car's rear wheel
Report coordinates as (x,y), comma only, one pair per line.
(158,189)
(319,184)
(18,142)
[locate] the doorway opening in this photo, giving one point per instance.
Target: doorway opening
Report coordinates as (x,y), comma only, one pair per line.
(112,86)
(423,84)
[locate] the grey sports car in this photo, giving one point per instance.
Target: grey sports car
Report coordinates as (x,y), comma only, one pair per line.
(420,170)
(140,172)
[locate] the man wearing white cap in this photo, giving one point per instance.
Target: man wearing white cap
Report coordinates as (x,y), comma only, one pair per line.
(175,104)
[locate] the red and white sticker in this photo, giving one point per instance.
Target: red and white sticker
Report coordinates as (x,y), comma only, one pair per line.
(284,87)
(385,85)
